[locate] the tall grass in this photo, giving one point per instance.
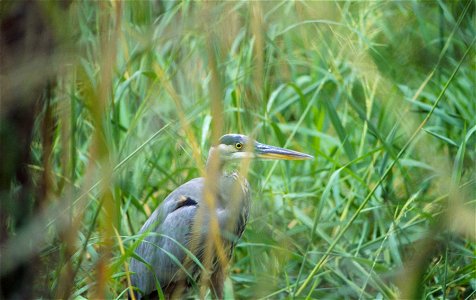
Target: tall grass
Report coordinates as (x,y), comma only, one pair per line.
(382,94)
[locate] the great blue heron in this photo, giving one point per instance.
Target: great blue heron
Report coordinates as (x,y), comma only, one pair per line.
(171,257)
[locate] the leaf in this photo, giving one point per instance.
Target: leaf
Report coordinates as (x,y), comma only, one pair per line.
(441,137)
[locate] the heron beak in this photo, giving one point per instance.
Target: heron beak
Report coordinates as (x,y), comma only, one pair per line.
(271,152)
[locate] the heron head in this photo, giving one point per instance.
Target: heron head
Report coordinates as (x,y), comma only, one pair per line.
(238,146)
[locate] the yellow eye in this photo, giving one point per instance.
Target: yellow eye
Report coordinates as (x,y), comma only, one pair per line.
(238,146)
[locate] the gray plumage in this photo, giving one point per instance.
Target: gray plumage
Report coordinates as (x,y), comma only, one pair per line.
(178,211)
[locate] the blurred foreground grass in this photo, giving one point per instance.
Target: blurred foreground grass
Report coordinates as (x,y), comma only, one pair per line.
(382,94)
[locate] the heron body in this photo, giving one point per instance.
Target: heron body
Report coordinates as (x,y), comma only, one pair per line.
(173,252)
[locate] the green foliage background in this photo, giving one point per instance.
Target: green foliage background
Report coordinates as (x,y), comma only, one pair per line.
(381,93)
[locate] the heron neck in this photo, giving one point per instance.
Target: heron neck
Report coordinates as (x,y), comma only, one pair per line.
(215,164)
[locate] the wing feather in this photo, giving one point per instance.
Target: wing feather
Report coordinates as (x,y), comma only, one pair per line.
(165,235)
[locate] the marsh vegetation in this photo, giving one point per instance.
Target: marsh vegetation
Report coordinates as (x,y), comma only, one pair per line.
(382,94)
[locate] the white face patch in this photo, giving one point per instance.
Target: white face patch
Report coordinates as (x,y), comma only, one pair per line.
(229,152)
(226,149)
(242,155)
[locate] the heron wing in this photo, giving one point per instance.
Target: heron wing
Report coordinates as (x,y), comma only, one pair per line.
(165,235)
(175,225)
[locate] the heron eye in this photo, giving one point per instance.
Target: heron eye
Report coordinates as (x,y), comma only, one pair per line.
(238,146)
